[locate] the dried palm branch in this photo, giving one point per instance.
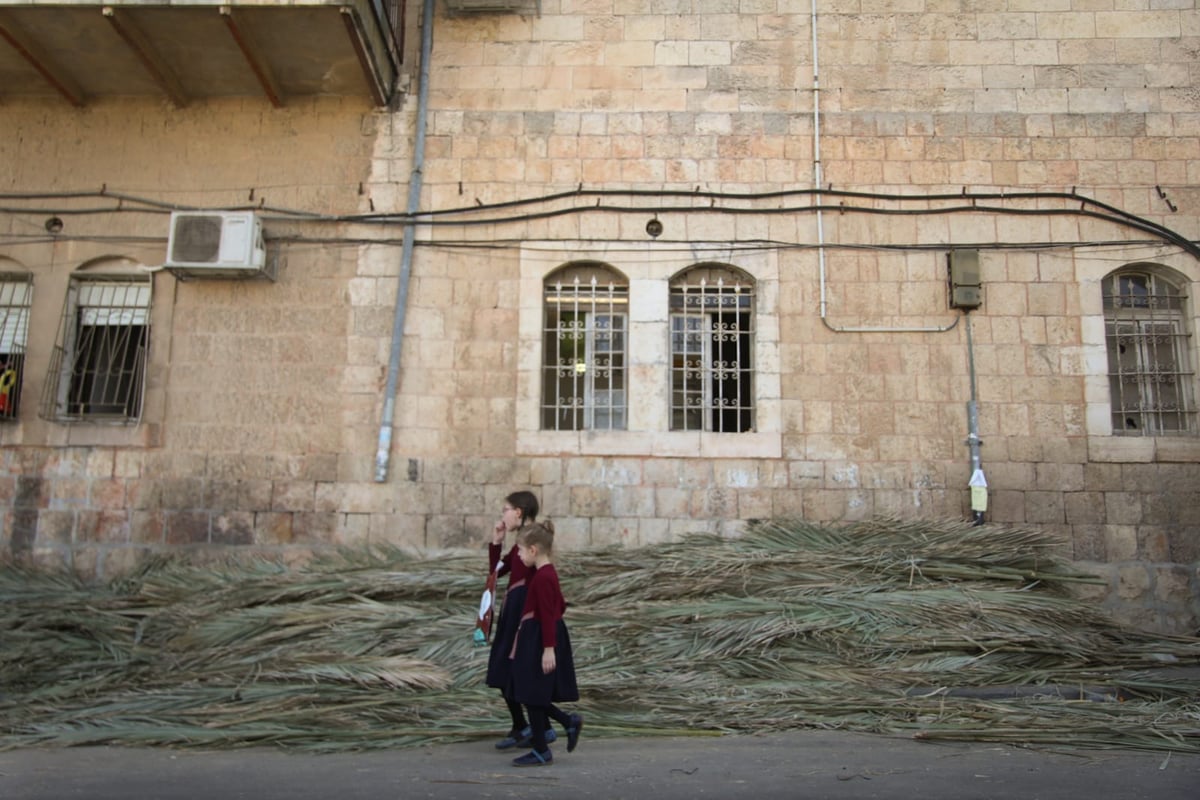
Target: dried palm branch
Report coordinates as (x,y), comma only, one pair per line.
(935,629)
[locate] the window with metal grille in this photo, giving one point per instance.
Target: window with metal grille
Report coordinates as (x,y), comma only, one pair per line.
(712,350)
(16,294)
(583,350)
(98,365)
(1149,361)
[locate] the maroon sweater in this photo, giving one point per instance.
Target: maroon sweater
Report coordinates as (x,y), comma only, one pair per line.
(511,565)
(544,600)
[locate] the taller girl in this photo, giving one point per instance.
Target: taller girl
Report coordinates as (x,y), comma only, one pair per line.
(520,509)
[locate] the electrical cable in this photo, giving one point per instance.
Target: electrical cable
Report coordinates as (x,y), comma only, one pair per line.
(1087,208)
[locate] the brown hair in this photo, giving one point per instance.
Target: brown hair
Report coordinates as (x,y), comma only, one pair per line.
(526,503)
(539,535)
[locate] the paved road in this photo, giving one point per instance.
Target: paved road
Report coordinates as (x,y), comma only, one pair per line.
(802,764)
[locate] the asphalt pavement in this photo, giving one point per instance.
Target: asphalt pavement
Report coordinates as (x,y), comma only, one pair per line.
(798,764)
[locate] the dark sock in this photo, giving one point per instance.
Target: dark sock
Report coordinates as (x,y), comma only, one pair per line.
(538,722)
(517,712)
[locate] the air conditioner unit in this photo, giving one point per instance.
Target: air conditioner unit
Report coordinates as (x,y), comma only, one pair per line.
(494,6)
(217,244)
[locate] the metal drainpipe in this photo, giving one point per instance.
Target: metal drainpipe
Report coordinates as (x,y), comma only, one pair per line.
(977,483)
(384,449)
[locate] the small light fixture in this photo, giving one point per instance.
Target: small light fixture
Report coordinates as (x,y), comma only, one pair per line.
(54,225)
(654,228)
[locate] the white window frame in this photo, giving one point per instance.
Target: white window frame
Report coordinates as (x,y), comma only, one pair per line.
(577,297)
(649,268)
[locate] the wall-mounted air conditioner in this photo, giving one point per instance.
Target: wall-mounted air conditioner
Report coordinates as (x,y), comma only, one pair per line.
(494,6)
(217,244)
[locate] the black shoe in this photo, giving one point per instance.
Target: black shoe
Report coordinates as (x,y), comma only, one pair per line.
(534,759)
(574,731)
(514,739)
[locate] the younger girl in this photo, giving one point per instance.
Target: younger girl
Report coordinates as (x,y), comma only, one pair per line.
(543,667)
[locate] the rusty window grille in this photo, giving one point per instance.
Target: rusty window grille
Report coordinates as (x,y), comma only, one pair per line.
(712,350)
(98,364)
(584,349)
(16,295)
(1149,358)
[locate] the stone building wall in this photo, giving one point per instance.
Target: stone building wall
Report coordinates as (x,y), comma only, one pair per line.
(264,399)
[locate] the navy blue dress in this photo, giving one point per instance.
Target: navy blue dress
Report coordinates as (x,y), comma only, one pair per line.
(543,605)
(504,630)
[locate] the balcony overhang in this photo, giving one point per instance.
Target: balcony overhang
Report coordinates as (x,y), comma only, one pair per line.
(185,50)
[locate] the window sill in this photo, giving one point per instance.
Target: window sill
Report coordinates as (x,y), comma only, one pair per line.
(1143,449)
(641,443)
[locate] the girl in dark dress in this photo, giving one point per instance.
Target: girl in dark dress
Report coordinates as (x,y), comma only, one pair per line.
(543,667)
(520,508)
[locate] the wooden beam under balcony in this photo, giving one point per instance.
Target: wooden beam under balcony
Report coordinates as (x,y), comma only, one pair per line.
(54,74)
(151,59)
(234,20)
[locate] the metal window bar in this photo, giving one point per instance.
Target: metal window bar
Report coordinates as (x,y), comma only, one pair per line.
(584,355)
(98,364)
(712,364)
(1150,378)
(16,295)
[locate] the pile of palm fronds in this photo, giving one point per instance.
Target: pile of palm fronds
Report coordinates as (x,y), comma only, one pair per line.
(938,630)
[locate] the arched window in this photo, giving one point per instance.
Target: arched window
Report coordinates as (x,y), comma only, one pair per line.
(1149,363)
(584,338)
(712,350)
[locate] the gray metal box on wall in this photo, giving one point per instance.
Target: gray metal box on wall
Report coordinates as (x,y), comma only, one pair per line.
(966,283)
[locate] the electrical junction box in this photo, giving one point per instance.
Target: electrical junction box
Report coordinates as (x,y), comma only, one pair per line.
(966,285)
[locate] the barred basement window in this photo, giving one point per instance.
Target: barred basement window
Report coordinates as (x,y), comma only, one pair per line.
(583,351)
(712,350)
(16,294)
(1149,373)
(98,366)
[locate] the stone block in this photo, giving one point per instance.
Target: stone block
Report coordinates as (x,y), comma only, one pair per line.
(1133,583)
(353,530)
(272,528)
(591,501)
(1153,543)
(186,527)
(1006,507)
(713,504)
(297,496)
(401,530)
(754,504)
(671,502)
(1172,585)
(1121,543)
(314,528)
(105,526)
(633,501)
(654,531)
(1044,507)
(233,528)
(1088,542)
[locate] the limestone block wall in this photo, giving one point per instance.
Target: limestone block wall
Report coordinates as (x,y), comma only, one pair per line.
(264,400)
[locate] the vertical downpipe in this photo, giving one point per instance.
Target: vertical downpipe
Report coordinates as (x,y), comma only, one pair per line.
(977,483)
(384,448)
